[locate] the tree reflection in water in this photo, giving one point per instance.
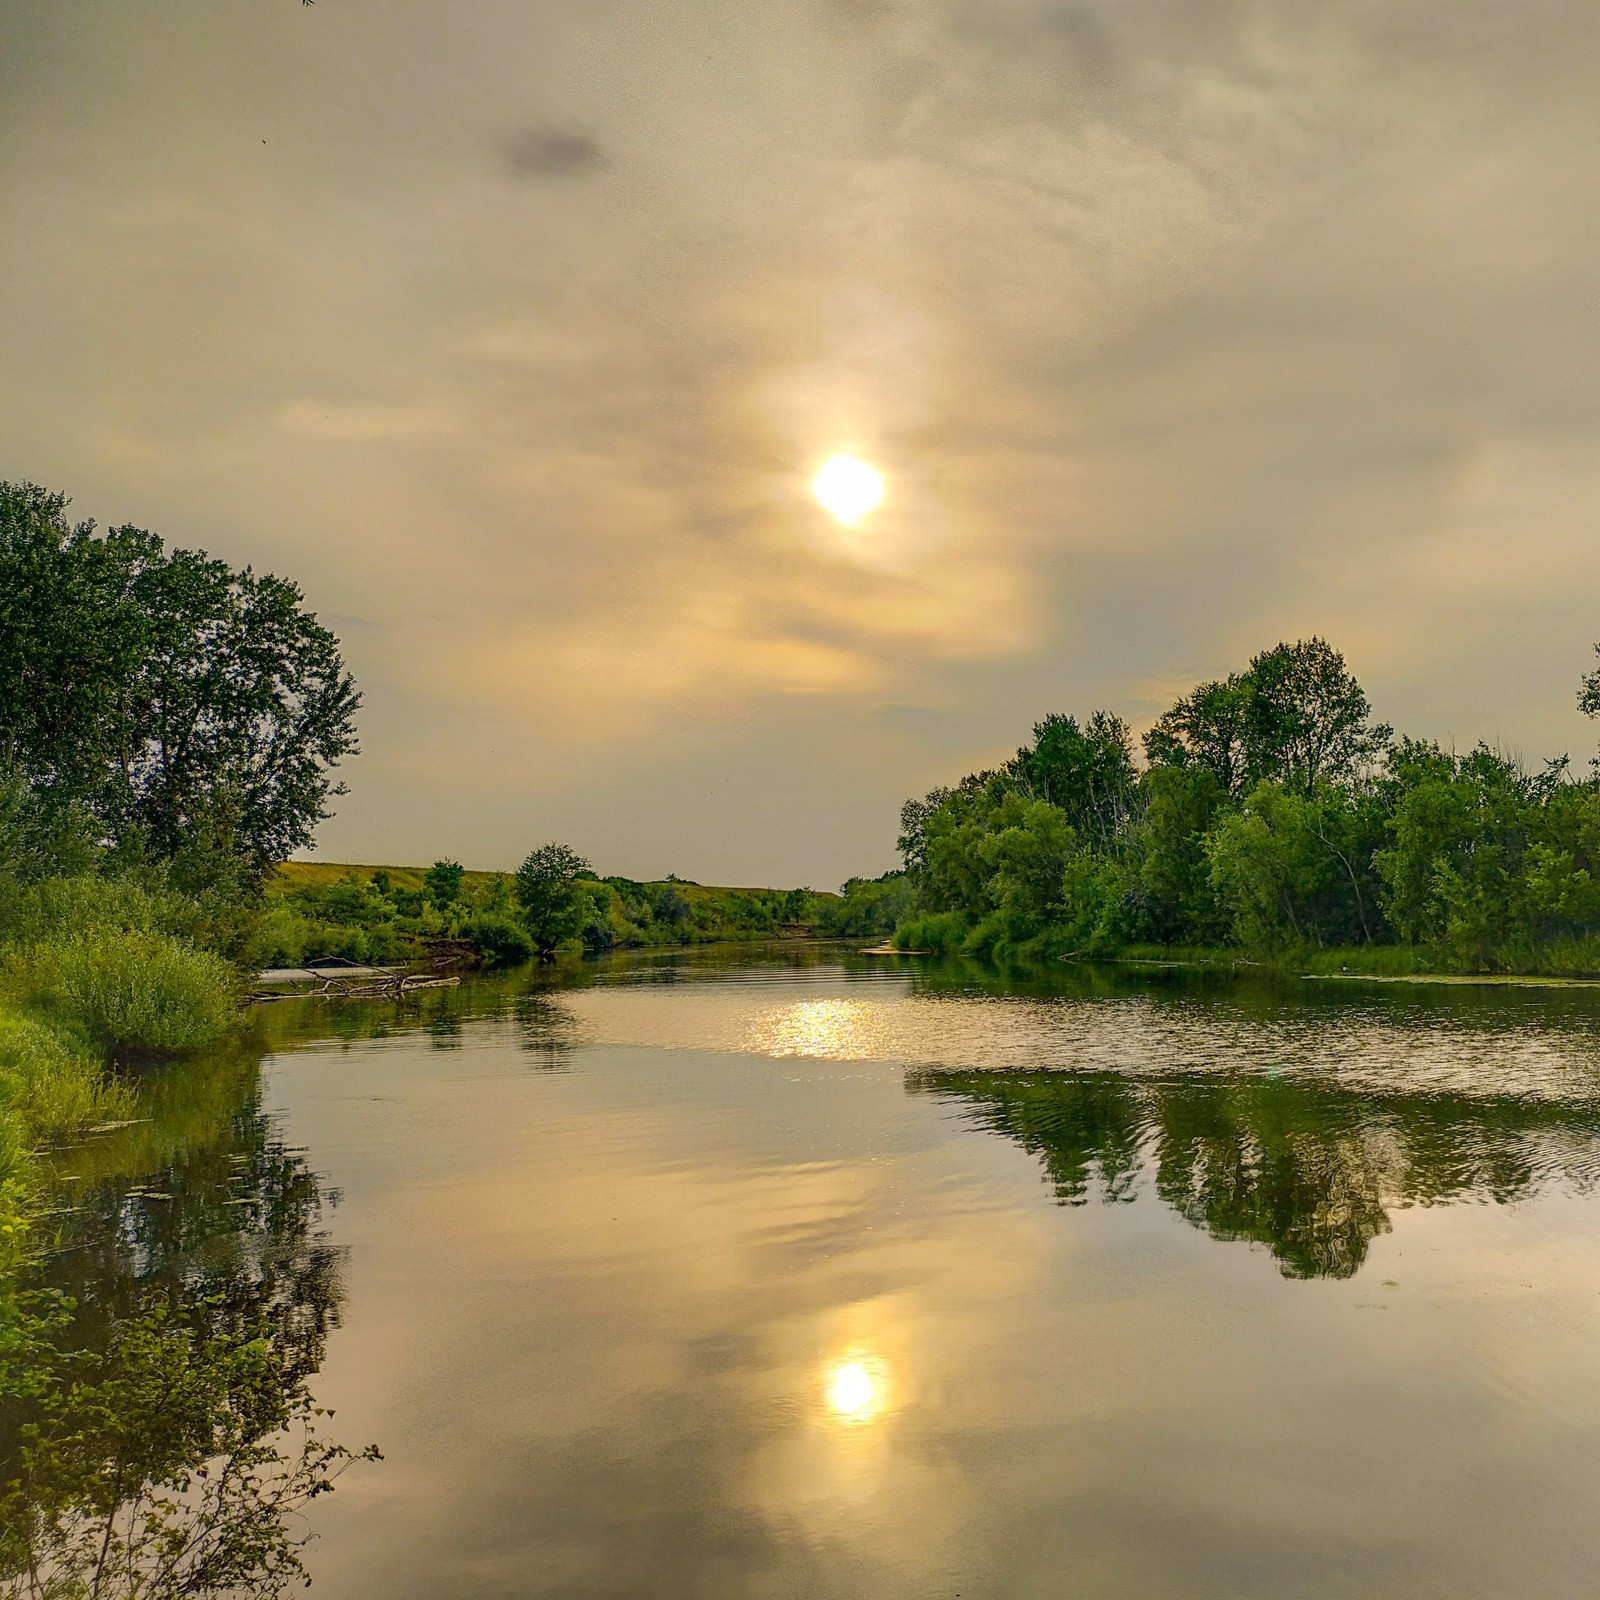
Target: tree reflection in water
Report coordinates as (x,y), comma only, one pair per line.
(1308,1169)
(158,1436)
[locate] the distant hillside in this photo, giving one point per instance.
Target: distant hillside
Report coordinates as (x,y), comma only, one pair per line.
(293,875)
(386,913)
(296,875)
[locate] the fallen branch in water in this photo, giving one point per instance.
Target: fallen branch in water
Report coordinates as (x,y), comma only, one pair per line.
(390,988)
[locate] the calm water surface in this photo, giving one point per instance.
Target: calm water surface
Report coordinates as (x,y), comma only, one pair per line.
(833,1277)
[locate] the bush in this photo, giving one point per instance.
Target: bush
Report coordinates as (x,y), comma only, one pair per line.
(39,911)
(942,932)
(52,1084)
(502,941)
(132,989)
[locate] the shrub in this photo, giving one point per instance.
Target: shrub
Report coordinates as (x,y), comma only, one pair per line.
(501,941)
(131,989)
(50,1084)
(943,932)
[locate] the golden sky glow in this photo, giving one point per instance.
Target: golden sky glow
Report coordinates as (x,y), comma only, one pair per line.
(518,341)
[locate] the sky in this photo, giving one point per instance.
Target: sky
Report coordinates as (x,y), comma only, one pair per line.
(515,332)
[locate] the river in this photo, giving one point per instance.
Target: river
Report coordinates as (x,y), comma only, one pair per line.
(794,1273)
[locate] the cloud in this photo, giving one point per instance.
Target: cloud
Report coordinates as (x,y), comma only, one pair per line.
(358,424)
(1176,329)
(546,150)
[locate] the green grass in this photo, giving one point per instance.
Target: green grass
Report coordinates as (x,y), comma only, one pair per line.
(53,1082)
(52,1087)
(129,989)
(90,968)
(293,875)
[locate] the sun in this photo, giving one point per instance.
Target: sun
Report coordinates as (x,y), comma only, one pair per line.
(847,489)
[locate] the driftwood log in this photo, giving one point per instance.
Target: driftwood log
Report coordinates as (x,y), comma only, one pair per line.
(394,987)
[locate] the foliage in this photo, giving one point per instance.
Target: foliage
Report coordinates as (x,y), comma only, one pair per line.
(172,1467)
(1463,834)
(1306,719)
(1296,717)
(386,913)
(166,730)
(1087,773)
(866,907)
(503,941)
(1173,886)
(1273,814)
(51,1084)
(137,990)
(1206,729)
(554,901)
(443,882)
(191,709)
(41,834)
(1284,867)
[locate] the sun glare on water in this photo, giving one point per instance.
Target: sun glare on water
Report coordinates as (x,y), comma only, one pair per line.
(847,489)
(856,1390)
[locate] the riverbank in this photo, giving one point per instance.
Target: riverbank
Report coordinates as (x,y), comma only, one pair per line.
(1570,959)
(378,915)
(97,976)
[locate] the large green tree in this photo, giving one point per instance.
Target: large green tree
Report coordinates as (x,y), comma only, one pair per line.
(183,703)
(1296,716)
(553,896)
(1206,729)
(1086,771)
(1307,719)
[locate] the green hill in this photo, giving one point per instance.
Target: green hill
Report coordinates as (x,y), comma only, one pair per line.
(386,913)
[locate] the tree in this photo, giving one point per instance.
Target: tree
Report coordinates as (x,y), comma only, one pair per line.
(551,894)
(1458,852)
(443,882)
(913,841)
(1181,804)
(1305,719)
(1296,716)
(1589,691)
(1088,772)
(172,696)
(72,642)
(1026,848)
(1294,869)
(1205,729)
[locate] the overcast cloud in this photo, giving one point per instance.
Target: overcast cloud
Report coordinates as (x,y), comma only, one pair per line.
(514,331)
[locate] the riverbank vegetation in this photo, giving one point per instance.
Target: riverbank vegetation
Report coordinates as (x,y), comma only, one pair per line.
(168,726)
(314,910)
(1268,816)
(168,730)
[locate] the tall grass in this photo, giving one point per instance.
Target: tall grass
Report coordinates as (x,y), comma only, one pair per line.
(51,1084)
(130,989)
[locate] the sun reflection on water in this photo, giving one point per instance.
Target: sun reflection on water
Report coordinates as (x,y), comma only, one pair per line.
(830,1029)
(857,1388)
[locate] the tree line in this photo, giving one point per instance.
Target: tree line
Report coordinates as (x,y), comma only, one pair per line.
(1269,813)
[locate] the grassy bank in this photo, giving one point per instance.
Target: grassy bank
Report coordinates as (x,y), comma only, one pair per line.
(95,976)
(392,913)
(955,934)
